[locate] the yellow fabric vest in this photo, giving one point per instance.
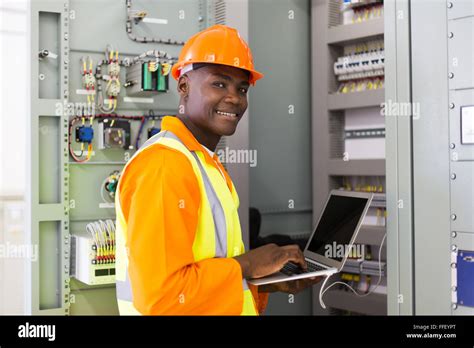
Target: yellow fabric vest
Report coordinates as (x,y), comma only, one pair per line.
(218,232)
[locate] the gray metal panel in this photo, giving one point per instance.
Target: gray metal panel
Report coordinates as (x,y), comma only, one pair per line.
(460,8)
(431,158)
(398,160)
(322,65)
(355,100)
(458,99)
(111,27)
(101,302)
(462,196)
(347,34)
(464,241)
(287,304)
(53,239)
(372,167)
(375,304)
(85,200)
(280,47)
(461,52)
(320,86)
(240,172)
(282,140)
(405,169)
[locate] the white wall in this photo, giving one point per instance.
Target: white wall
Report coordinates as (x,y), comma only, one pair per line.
(13,97)
(13,116)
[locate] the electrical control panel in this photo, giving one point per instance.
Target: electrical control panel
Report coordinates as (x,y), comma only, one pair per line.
(361,67)
(100,88)
(460,115)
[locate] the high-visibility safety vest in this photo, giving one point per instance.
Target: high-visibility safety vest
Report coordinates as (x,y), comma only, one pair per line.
(218,232)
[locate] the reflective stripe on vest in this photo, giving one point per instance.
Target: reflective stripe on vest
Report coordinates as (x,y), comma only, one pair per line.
(216,236)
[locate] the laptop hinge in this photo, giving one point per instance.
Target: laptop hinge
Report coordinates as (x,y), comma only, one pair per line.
(318,263)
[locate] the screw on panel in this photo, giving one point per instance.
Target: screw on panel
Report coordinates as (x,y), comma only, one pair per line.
(452,146)
(453,265)
(451,105)
(454,288)
(454,306)
(451,75)
(453,217)
(450,5)
(454,234)
(451,35)
(454,247)
(453,176)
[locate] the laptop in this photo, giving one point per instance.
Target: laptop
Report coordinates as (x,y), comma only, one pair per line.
(331,241)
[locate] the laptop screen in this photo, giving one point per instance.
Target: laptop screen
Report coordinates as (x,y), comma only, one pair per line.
(337,226)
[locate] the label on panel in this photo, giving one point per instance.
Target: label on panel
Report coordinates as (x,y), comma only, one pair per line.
(467,125)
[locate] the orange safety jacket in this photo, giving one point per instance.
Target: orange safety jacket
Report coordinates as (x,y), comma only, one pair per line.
(177,232)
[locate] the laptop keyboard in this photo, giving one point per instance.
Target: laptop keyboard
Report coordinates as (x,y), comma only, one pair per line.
(291,269)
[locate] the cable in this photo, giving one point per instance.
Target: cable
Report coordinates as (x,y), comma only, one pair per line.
(137,139)
(160,56)
(75,119)
(322,291)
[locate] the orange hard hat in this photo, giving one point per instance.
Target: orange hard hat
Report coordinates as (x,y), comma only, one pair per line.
(218,44)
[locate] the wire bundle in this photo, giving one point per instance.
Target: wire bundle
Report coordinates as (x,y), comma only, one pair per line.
(76,119)
(103,235)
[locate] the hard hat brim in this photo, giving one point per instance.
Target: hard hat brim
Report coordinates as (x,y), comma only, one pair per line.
(254,74)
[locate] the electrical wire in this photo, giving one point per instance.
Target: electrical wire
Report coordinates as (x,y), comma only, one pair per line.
(160,57)
(76,119)
(152,116)
(322,291)
(71,151)
(137,139)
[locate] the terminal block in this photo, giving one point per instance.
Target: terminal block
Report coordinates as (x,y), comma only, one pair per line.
(147,78)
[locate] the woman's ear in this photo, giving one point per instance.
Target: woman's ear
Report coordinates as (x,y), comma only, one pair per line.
(183,86)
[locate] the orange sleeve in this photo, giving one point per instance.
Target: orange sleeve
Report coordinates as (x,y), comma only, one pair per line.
(261,298)
(160,200)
